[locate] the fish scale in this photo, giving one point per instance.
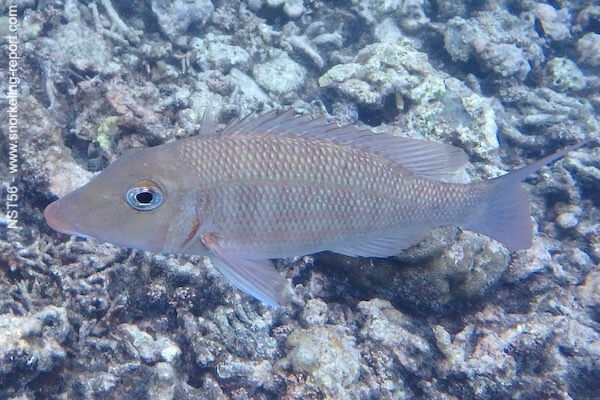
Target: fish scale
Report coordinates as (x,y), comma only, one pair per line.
(335,192)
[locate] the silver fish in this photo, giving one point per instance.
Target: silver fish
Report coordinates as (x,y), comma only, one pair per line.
(281,185)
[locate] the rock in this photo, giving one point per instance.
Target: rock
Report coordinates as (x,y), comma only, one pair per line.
(255,373)
(217,52)
(163,383)
(554,117)
(292,8)
(314,313)
(563,74)
(74,45)
(378,70)
(316,44)
(225,332)
(488,355)
(479,136)
(446,270)
(201,100)
(280,75)
(388,31)
(250,92)
(32,26)
(581,259)
(588,47)
(410,14)
(65,175)
(175,17)
(31,345)
(447,9)
(96,385)
(150,349)
(556,24)
(589,293)
(458,38)
(21,397)
(71,11)
(444,106)
(394,349)
(439,104)
(360,91)
(340,73)
(504,59)
(500,40)
(567,220)
(514,350)
(384,327)
(326,355)
(587,18)
(568,215)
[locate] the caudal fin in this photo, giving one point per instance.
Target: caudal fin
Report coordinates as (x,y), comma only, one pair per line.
(504,213)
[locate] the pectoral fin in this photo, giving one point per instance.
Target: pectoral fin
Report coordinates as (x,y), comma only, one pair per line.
(256,277)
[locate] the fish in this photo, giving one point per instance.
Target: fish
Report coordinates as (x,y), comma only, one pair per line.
(280,185)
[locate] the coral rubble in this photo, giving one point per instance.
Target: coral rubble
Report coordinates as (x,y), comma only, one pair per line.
(454,317)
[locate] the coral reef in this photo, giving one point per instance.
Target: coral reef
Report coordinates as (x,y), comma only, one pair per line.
(327,355)
(439,102)
(291,8)
(31,345)
(588,47)
(290,75)
(506,45)
(455,317)
(176,17)
(447,270)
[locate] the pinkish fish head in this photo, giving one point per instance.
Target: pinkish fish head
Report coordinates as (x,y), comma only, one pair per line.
(126,204)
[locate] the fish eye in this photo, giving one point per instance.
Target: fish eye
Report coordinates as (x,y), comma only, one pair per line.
(144,196)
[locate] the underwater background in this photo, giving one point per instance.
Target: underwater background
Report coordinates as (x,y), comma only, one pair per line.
(455,317)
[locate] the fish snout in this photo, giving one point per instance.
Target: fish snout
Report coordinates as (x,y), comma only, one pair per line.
(55,217)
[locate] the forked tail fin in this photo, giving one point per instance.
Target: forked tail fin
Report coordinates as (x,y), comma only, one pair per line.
(504,214)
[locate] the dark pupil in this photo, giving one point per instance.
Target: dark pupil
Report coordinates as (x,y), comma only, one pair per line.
(144,197)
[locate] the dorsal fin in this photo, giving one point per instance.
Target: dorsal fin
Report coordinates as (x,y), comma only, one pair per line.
(208,122)
(133,149)
(423,158)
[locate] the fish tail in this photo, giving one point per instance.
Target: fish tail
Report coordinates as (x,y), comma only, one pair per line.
(504,213)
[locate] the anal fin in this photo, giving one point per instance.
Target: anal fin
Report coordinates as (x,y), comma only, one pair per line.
(382,245)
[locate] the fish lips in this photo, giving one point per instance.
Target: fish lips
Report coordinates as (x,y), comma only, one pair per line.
(56,216)
(64,216)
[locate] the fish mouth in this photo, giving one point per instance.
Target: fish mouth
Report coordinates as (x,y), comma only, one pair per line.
(55,219)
